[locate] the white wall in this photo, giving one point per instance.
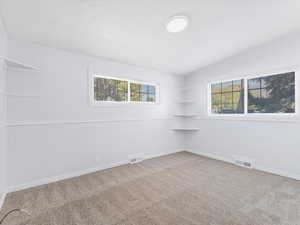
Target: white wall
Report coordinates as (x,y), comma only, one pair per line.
(272,142)
(60,133)
(2,114)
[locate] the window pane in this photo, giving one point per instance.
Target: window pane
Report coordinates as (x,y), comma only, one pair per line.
(122,91)
(142,92)
(216,88)
(238,107)
(253,94)
(216,109)
(265,93)
(135,92)
(216,99)
(254,83)
(237,85)
(276,94)
(227,108)
(151,98)
(151,89)
(144,88)
(263,82)
(144,97)
(237,97)
(110,89)
(227,97)
(227,86)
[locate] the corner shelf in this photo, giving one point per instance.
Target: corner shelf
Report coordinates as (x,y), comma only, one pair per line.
(18,95)
(13,94)
(185,129)
(185,89)
(185,115)
(186,102)
(10,63)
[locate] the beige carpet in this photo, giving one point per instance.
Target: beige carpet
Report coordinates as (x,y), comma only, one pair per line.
(178,189)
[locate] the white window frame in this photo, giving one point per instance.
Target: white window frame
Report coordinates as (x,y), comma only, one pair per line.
(255,115)
(93,102)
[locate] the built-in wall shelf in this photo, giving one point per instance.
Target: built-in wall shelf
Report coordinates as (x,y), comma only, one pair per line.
(185,129)
(20,95)
(185,89)
(185,115)
(186,102)
(11,63)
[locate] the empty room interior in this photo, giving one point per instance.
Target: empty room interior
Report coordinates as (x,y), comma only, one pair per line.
(147,112)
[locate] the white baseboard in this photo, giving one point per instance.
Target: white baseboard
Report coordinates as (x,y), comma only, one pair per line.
(212,156)
(163,154)
(278,172)
(77,173)
(2,199)
(63,177)
(256,167)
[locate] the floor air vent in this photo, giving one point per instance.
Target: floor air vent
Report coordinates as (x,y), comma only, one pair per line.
(136,158)
(244,162)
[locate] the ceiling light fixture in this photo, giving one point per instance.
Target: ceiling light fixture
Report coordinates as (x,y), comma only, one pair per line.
(177,23)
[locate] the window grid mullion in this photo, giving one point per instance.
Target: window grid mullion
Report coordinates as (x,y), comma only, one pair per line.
(129,91)
(221,97)
(260,88)
(245,81)
(232,95)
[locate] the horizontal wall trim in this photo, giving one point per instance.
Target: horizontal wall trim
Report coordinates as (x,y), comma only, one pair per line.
(42,123)
(256,167)
(15,94)
(264,119)
(49,180)
(66,122)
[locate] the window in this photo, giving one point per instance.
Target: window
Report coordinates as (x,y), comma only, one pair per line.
(142,92)
(227,97)
(273,94)
(107,89)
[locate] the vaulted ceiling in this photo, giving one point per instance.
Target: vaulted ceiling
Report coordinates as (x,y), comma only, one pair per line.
(133,31)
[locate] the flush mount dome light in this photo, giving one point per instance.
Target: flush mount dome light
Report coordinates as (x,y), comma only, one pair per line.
(177,23)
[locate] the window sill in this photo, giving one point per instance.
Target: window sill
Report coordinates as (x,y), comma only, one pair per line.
(256,118)
(123,104)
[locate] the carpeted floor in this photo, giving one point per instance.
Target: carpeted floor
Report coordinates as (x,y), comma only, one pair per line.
(178,189)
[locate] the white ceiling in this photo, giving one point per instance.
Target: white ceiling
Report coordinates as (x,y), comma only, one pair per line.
(132,31)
